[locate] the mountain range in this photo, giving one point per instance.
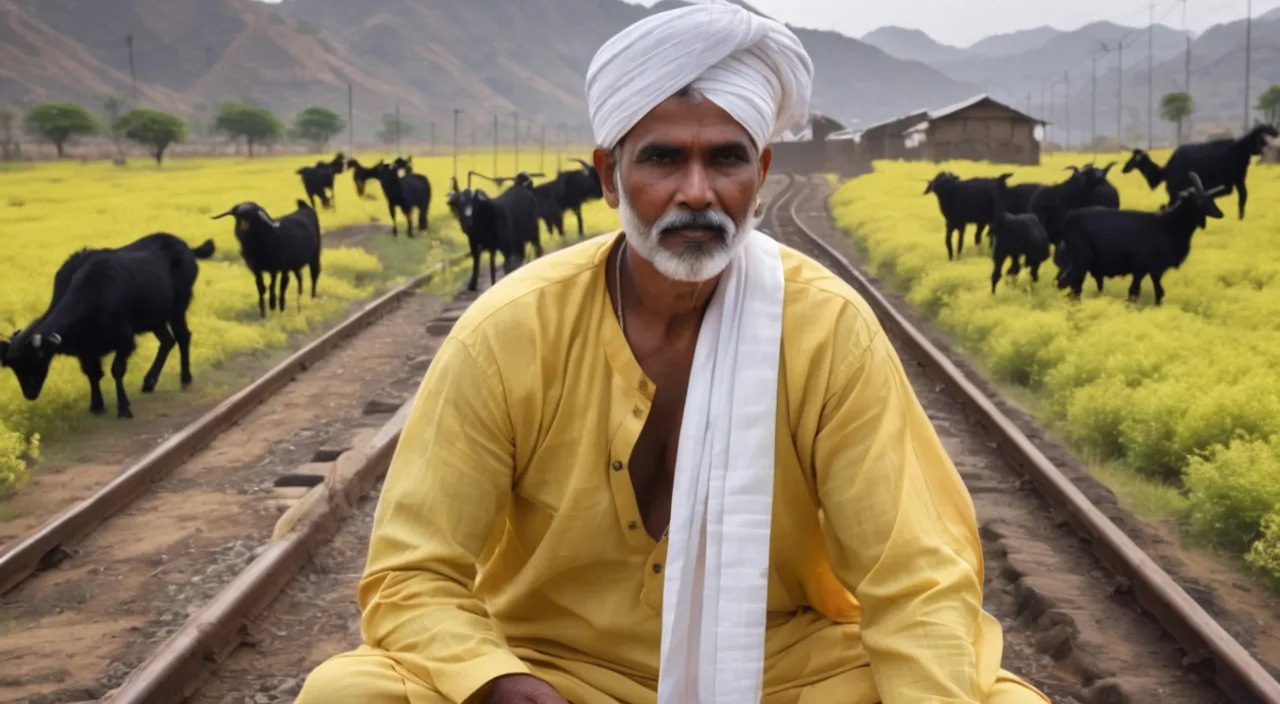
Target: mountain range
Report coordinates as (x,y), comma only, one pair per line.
(1034,69)
(429,57)
(525,60)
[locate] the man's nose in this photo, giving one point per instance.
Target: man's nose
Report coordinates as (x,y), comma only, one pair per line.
(695,188)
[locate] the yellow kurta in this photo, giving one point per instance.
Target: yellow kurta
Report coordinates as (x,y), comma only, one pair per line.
(519,441)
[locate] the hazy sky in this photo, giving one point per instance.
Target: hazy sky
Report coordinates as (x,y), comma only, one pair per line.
(962,22)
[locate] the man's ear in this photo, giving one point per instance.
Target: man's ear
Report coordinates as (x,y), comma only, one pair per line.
(607,168)
(766,158)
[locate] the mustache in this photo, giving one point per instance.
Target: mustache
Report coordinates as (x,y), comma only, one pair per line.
(690,219)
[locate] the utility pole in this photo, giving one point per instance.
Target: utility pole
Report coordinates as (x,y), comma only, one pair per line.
(542,158)
(1248,51)
(516,116)
(456,113)
(1093,102)
(133,75)
(495,145)
(1044,114)
(397,129)
(1066,108)
(1120,94)
(1028,102)
(432,152)
(1186,81)
(351,118)
(1151,90)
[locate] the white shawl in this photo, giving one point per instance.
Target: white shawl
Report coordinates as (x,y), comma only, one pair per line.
(716,582)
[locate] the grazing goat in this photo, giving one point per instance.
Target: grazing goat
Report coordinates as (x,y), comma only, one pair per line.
(506,224)
(103,299)
(1018,236)
(318,180)
(964,202)
(1104,193)
(278,247)
(407,192)
(1150,170)
(1106,243)
(1221,162)
(1052,203)
(568,191)
(361,175)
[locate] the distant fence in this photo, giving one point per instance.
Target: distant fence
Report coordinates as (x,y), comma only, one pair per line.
(836,156)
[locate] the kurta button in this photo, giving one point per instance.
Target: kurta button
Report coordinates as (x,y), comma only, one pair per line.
(643,384)
(657,568)
(633,525)
(616,465)
(637,412)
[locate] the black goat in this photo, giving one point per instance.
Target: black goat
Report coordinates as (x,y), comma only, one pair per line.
(103,299)
(506,224)
(407,192)
(1019,236)
(1052,203)
(1104,193)
(568,191)
(964,202)
(360,175)
(278,247)
(318,180)
(1221,162)
(1150,170)
(1106,243)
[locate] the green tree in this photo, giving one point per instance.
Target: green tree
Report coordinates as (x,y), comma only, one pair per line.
(113,107)
(1176,108)
(153,128)
(8,139)
(59,122)
(253,124)
(388,134)
(1269,104)
(318,125)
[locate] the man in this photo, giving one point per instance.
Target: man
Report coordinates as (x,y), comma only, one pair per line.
(681,465)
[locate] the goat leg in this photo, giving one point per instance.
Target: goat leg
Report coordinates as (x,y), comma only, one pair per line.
(577,210)
(1155,283)
(183,334)
(475,268)
(162,355)
(262,293)
(297,274)
(1243,196)
(284,286)
(119,366)
(1135,288)
(271,291)
(92,368)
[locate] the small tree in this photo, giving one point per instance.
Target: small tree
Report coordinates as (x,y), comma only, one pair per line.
(254,124)
(318,125)
(59,122)
(1269,104)
(154,129)
(388,134)
(8,140)
(1177,107)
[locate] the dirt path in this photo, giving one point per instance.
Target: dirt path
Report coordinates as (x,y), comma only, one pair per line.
(74,632)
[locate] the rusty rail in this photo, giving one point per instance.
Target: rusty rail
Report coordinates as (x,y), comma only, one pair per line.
(25,556)
(178,667)
(1234,669)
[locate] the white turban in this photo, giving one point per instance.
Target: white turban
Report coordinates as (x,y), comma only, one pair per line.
(751,66)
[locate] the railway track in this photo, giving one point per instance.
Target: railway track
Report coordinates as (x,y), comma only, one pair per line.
(91,592)
(1087,619)
(1088,615)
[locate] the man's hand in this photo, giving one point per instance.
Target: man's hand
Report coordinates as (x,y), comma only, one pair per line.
(521,689)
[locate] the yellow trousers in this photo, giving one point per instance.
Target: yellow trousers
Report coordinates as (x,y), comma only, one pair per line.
(370,676)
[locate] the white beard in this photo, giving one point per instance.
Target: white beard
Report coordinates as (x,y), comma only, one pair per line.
(693,265)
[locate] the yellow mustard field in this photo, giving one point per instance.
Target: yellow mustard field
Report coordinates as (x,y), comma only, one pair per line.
(51,210)
(1187,393)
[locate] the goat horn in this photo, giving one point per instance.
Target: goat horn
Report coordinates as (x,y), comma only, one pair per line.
(219,217)
(55,338)
(1195,183)
(36,340)
(1073,169)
